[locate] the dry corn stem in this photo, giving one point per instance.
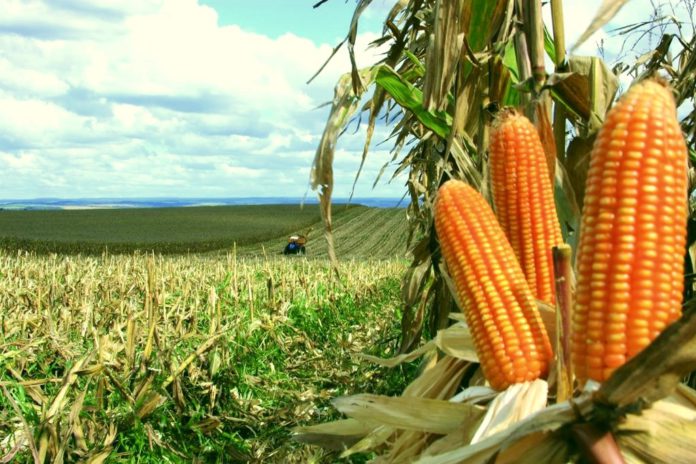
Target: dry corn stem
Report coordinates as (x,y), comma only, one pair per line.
(92,346)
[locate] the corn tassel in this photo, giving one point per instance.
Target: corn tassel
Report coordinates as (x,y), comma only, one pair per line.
(508,333)
(633,233)
(523,199)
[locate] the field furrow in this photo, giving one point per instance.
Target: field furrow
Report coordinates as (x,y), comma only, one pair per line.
(359,231)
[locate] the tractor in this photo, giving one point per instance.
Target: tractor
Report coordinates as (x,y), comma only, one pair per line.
(296,245)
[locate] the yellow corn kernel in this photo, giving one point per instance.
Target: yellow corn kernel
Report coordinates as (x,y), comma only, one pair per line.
(523,199)
(508,333)
(638,256)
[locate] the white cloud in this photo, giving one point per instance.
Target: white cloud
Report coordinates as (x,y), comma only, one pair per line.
(152,97)
(579,15)
(241,171)
(20,162)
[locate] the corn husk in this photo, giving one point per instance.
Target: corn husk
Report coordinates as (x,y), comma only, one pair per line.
(641,413)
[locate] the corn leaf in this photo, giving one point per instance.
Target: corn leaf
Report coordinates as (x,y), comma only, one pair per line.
(411,98)
(442,56)
(516,403)
(344,105)
(663,433)
(606,11)
(409,413)
(336,435)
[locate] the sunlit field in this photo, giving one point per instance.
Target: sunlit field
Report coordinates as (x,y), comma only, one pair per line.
(141,358)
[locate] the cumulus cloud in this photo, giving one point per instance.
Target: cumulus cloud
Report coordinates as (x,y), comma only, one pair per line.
(609,40)
(149,98)
(155,98)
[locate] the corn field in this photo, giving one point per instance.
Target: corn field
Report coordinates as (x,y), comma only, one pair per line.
(182,359)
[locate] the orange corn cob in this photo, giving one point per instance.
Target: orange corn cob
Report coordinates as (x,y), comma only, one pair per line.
(523,199)
(633,233)
(508,333)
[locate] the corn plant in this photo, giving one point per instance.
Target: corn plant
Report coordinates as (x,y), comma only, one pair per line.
(450,67)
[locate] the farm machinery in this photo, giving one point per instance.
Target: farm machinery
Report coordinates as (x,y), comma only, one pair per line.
(296,245)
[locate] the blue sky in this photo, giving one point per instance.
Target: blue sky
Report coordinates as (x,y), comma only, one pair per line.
(325,24)
(184,98)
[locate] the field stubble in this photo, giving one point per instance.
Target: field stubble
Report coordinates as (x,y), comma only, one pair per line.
(185,359)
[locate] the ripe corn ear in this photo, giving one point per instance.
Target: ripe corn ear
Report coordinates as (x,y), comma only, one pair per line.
(523,199)
(633,233)
(508,333)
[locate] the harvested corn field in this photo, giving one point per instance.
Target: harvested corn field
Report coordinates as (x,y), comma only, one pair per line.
(184,359)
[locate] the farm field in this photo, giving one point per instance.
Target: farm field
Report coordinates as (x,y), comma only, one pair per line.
(199,358)
(360,231)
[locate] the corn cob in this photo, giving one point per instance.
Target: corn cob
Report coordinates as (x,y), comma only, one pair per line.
(523,199)
(508,333)
(633,233)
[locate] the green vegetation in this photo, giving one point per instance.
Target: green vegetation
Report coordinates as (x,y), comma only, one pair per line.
(164,230)
(186,358)
(360,231)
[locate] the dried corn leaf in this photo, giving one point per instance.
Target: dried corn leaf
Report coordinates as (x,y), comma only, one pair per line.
(516,403)
(578,163)
(663,433)
(546,447)
(99,457)
(406,448)
(443,52)
(60,399)
(542,121)
(345,103)
(350,38)
(402,358)
(454,448)
(205,346)
(656,371)
(684,395)
(335,435)
(373,440)
(474,394)
(31,387)
(548,316)
(409,413)
(76,424)
(606,11)
(439,382)
(586,92)
(455,341)
(148,404)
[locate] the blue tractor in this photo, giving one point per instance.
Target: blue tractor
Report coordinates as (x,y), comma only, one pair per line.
(296,245)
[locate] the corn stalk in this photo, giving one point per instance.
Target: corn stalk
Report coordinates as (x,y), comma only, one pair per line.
(451,66)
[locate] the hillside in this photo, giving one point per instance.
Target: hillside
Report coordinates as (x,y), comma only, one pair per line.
(360,231)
